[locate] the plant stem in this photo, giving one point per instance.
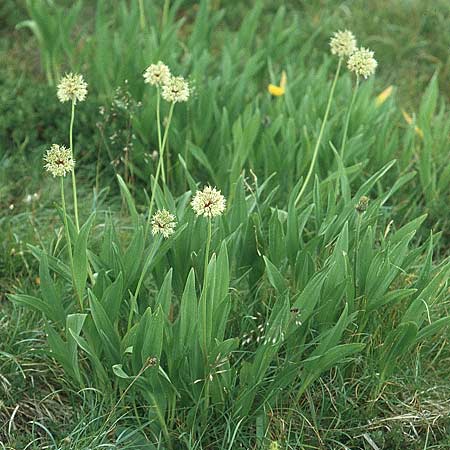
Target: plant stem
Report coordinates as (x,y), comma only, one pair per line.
(142,14)
(165,13)
(344,136)
(319,139)
(74,182)
(158,170)
(208,245)
(205,319)
(69,243)
(355,259)
(158,120)
(204,289)
(347,120)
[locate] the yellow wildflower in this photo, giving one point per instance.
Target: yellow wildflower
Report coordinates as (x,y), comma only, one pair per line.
(278,91)
(381,98)
(409,120)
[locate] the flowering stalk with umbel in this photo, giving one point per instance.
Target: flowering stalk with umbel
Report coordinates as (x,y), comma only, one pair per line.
(163,224)
(59,161)
(362,63)
(72,88)
(360,208)
(342,44)
(208,203)
(173,90)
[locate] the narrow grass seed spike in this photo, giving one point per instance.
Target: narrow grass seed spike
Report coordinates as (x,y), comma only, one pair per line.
(157,74)
(59,160)
(176,90)
(362,62)
(343,43)
(209,202)
(163,222)
(72,87)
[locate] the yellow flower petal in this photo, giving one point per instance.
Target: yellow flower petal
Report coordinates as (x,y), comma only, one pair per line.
(277,91)
(409,121)
(407,117)
(283,80)
(419,132)
(381,98)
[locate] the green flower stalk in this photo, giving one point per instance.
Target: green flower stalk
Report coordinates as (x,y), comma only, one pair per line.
(342,44)
(163,224)
(173,90)
(59,161)
(72,87)
(362,63)
(208,203)
(158,75)
(361,207)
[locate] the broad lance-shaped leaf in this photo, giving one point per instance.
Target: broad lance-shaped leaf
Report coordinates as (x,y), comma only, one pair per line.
(275,277)
(433,328)
(132,257)
(188,317)
(165,294)
(328,340)
(80,260)
(200,156)
(35,303)
(129,200)
(105,329)
(74,324)
(112,298)
(54,263)
(49,293)
(153,336)
(95,359)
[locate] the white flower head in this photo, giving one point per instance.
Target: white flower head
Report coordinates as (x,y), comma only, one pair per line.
(72,87)
(163,222)
(59,160)
(343,43)
(362,62)
(209,202)
(157,74)
(176,90)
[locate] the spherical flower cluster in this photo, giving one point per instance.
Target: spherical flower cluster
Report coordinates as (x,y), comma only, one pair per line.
(176,90)
(59,160)
(72,87)
(209,202)
(343,43)
(157,74)
(163,223)
(362,62)
(362,204)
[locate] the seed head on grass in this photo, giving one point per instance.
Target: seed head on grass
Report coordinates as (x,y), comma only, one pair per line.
(163,222)
(343,43)
(59,160)
(362,62)
(209,202)
(176,90)
(157,74)
(72,87)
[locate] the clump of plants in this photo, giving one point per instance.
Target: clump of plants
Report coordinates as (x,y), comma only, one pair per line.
(209,307)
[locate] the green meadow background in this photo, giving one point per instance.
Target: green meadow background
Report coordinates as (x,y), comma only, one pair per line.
(365,363)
